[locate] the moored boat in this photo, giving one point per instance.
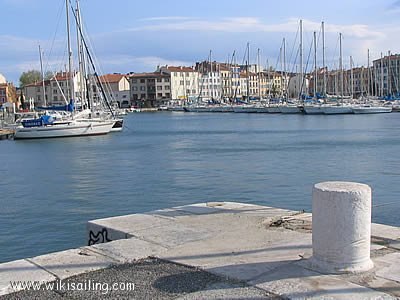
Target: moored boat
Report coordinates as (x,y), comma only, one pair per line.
(42,128)
(370,109)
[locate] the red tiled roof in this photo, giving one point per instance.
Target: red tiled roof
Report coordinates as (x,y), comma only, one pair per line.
(179,69)
(39,83)
(152,74)
(111,78)
(63,76)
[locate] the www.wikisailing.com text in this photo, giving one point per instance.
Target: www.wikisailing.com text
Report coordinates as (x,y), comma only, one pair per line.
(64,286)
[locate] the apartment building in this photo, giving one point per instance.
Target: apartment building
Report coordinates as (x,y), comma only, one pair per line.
(56,90)
(8,93)
(210,80)
(184,82)
(386,75)
(117,89)
(150,89)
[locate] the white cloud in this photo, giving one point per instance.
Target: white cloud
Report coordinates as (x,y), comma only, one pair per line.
(249,24)
(139,63)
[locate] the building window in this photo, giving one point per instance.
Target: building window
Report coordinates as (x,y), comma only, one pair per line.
(166,79)
(159,88)
(134,80)
(54,91)
(182,82)
(142,80)
(159,95)
(55,98)
(134,88)
(159,79)
(142,88)
(166,87)
(142,96)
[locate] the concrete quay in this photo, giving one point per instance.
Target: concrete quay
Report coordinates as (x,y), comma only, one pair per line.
(219,250)
(6,134)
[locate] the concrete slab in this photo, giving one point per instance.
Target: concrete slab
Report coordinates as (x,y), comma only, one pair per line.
(97,234)
(133,222)
(198,209)
(171,236)
(229,291)
(385,231)
(295,282)
(263,246)
(122,227)
(391,266)
(129,250)
(72,262)
(20,271)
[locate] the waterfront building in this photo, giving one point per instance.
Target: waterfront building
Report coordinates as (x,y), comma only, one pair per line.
(298,85)
(356,82)
(321,79)
(117,89)
(150,89)
(8,92)
(386,75)
(56,90)
(184,83)
(210,82)
(226,81)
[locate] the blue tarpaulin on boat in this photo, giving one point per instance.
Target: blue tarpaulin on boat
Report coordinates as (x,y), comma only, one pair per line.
(69,107)
(47,120)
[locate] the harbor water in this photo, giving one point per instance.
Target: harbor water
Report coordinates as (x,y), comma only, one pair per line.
(51,188)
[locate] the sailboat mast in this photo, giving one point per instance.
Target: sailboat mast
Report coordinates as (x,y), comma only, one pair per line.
(71,85)
(81,56)
(284,69)
(301,59)
(368,76)
(248,70)
(389,85)
(315,65)
(381,74)
(323,58)
(258,74)
(41,69)
(341,66)
(351,77)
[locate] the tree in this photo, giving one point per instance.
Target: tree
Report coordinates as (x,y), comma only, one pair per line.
(28,77)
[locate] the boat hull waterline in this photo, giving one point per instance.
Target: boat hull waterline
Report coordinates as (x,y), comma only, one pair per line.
(72,129)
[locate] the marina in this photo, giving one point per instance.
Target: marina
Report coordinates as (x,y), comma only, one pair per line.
(52,187)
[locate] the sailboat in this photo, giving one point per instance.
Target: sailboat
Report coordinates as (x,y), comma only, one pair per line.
(316,107)
(47,127)
(340,107)
(372,107)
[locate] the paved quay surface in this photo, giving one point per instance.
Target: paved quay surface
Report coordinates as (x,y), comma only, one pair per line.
(221,250)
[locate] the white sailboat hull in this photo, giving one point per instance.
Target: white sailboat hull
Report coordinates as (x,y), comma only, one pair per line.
(288,109)
(337,110)
(68,129)
(313,110)
(274,110)
(372,110)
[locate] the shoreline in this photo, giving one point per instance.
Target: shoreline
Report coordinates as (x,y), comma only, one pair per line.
(262,247)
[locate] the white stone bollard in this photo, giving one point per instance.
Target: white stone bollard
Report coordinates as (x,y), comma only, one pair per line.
(341,227)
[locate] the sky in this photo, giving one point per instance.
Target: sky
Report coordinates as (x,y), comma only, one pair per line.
(136,36)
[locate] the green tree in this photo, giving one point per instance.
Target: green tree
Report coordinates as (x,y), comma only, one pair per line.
(28,77)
